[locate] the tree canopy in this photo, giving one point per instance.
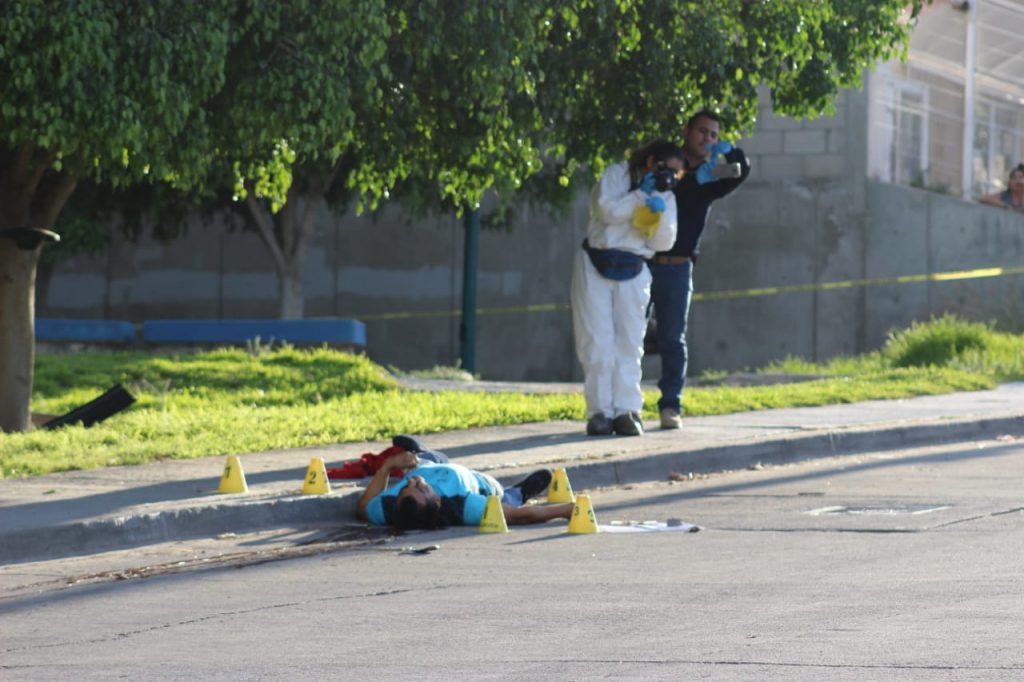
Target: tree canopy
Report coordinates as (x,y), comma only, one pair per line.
(465,94)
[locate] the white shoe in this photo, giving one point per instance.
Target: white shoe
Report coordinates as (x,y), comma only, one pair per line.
(670,419)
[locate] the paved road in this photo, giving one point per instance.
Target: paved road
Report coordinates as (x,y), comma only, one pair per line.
(889,565)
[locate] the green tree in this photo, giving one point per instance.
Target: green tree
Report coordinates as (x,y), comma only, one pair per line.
(481,97)
(136,91)
(457,117)
(619,72)
(69,108)
(365,94)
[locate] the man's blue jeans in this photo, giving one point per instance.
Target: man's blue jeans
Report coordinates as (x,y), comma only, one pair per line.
(671,289)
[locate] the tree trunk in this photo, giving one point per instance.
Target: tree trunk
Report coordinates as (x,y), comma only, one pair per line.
(32,194)
(293,300)
(286,235)
(17,334)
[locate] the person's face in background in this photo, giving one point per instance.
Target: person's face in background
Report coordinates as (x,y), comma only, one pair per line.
(697,136)
(1017,181)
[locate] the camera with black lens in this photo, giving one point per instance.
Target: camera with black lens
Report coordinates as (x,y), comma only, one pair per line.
(665,179)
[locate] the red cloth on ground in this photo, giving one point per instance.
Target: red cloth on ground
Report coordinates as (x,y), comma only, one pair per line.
(367,465)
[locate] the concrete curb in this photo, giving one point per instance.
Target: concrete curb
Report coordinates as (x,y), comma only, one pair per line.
(289,510)
(782,450)
(122,532)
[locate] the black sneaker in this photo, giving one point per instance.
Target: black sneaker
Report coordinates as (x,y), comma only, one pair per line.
(535,484)
(628,424)
(407,443)
(599,425)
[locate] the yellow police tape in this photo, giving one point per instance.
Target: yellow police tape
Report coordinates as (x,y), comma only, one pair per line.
(736,293)
(849,284)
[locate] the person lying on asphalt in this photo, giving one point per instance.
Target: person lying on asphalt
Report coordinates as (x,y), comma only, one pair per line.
(435,493)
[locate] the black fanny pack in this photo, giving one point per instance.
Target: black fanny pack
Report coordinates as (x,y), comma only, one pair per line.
(614,264)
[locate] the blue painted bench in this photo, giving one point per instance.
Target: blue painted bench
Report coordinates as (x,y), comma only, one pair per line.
(334,332)
(84,331)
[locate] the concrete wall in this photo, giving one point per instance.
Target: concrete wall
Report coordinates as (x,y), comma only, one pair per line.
(916,232)
(798,220)
(403,279)
(807,215)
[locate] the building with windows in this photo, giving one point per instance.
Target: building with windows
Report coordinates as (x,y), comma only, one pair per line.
(961,88)
(867,220)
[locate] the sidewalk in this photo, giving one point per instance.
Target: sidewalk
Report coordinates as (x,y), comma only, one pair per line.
(116,508)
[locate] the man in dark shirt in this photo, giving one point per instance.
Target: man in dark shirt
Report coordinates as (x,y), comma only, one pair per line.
(672,270)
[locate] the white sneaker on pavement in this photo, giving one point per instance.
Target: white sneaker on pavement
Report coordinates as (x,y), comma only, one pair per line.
(670,419)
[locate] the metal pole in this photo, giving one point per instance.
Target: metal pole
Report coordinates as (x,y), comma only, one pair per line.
(970,60)
(467,331)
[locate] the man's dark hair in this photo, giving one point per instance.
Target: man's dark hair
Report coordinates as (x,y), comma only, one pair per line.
(412,516)
(706,113)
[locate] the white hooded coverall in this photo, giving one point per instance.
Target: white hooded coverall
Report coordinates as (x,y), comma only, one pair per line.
(609,316)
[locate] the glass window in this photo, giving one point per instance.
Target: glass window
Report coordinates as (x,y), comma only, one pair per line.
(982,147)
(997,145)
(909,115)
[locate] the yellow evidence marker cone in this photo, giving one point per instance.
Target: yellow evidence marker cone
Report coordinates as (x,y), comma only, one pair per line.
(583,519)
(316,478)
(559,490)
(233,480)
(493,520)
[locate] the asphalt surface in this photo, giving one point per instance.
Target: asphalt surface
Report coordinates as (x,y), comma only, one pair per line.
(890,565)
(79,513)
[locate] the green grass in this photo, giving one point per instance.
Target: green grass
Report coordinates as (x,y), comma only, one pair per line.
(943,343)
(237,401)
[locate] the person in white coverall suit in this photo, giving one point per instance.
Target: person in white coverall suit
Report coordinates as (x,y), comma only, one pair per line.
(632,216)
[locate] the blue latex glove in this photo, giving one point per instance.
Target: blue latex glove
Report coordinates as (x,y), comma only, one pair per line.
(647,184)
(704,175)
(656,204)
(720,147)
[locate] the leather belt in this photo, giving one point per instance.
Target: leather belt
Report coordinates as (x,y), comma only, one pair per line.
(661,259)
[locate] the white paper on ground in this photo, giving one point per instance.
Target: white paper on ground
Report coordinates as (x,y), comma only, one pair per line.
(646,527)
